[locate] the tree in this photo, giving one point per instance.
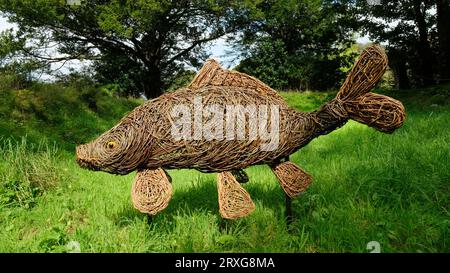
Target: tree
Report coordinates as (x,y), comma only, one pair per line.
(398,63)
(426,57)
(302,42)
(12,62)
(408,29)
(146,39)
(443,29)
(270,63)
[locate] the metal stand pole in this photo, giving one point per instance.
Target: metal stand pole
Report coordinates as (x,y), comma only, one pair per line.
(288,212)
(149,219)
(223,224)
(288,205)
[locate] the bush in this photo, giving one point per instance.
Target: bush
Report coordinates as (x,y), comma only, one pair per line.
(27,171)
(12,81)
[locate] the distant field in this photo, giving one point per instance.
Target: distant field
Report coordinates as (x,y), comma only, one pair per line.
(368,186)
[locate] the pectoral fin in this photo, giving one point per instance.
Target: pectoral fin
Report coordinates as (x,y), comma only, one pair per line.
(234,200)
(292,178)
(151,191)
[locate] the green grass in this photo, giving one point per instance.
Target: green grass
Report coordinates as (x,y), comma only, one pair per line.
(368,186)
(66,115)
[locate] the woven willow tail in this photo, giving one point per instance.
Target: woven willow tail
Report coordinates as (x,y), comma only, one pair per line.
(365,73)
(144,139)
(381,112)
(378,111)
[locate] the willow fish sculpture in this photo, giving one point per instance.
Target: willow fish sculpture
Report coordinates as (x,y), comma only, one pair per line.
(191,128)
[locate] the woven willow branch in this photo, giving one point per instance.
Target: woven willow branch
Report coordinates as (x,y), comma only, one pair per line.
(151,191)
(292,179)
(234,200)
(143,139)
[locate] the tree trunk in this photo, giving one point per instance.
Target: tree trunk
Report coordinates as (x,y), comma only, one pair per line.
(425,69)
(443,27)
(401,75)
(397,62)
(152,84)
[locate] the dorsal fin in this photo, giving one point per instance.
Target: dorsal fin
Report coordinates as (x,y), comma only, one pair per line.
(212,74)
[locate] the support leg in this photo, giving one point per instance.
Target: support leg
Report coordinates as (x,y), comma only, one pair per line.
(149,219)
(288,204)
(288,210)
(240,175)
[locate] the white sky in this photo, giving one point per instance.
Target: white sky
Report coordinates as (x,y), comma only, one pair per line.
(4,24)
(219,49)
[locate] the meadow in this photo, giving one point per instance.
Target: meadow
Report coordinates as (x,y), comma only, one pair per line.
(367,186)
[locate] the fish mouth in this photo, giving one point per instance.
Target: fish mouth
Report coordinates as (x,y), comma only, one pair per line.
(87,159)
(84,160)
(87,164)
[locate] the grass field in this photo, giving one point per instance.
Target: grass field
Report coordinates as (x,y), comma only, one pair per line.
(368,186)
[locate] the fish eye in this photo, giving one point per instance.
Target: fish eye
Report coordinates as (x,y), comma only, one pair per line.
(111,144)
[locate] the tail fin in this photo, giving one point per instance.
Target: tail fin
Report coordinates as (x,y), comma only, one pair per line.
(378,111)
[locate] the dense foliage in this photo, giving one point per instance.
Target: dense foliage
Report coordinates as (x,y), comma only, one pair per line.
(138,44)
(143,47)
(297,44)
(417,37)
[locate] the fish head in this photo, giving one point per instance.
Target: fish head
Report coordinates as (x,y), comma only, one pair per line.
(119,150)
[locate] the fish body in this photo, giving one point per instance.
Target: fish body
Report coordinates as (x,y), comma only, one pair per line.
(227,121)
(222,151)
